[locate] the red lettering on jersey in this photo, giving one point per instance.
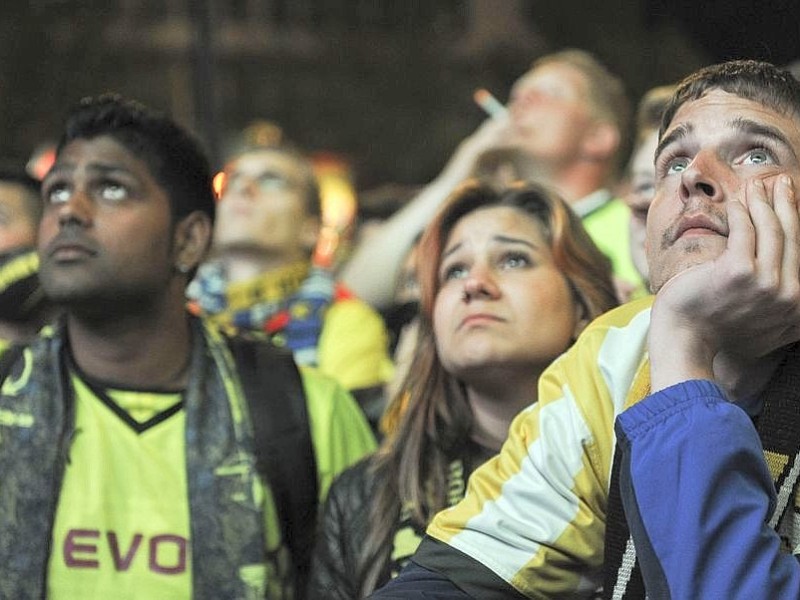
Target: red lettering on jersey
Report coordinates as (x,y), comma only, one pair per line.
(180,542)
(71,547)
(162,544)
(123,563)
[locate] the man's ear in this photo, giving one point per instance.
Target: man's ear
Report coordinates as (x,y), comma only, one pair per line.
(192,239)
(601,142)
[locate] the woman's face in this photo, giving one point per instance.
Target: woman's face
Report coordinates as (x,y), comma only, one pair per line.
(642,189)
(502,301)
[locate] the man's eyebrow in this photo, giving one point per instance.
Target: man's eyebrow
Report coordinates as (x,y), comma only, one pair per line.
(767,131)
(681,131)
(102,168)
(107,168)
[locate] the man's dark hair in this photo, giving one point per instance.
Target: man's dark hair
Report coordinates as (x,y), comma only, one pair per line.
(760,82)
(174,157)
(30,187)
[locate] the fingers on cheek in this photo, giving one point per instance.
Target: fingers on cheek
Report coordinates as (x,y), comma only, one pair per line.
(758,192)
(780,187)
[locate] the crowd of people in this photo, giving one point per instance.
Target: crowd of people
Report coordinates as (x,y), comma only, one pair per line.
(586,387)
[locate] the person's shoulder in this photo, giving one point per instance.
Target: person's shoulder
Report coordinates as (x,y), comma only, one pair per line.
(613,207)
(353,345)
(356,483)
(624,315)
(613,214)
(318,383)
(610,349)
(327,400)
(347,314)
(345,302)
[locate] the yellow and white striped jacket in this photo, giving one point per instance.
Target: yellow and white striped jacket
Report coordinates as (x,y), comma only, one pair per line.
(535,515)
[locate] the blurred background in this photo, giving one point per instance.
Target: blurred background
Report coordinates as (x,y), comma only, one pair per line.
(383,86)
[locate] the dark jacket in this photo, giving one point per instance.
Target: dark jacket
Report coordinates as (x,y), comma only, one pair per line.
(341,535)
(345,524)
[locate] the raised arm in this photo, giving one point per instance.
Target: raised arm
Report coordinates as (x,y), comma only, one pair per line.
(372,269)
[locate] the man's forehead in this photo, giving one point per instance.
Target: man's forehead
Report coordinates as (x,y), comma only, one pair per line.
(262,160)
(102,153)
(719,114)
(725,108)
(555,73)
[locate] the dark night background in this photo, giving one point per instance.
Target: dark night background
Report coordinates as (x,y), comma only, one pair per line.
(385,83)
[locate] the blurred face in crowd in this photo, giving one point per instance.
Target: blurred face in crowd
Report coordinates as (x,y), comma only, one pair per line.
(712,149)
(263,207)
(17,224)
(642,182)
(502,301)
(107,230)
(550,112)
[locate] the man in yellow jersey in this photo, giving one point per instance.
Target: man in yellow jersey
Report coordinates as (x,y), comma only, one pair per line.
(696,497)
(130,460)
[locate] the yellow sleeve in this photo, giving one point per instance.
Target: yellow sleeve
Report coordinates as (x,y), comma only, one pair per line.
(535,514)
(353,347)
(339,432)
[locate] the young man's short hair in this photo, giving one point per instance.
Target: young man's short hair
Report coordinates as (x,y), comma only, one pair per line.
(757,81)
(174,157)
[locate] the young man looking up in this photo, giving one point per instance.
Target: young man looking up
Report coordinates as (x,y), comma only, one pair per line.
(702,384)
(261,277)
(128,451)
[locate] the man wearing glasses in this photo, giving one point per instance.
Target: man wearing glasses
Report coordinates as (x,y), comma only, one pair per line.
(261,277)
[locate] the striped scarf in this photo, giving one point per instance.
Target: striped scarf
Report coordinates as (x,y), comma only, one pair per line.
(288,305)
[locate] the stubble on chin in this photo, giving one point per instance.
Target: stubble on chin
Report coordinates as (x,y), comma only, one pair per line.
(690,253)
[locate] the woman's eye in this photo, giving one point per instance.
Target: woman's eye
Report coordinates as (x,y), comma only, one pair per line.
(454,272)
(757,157)
(113,192)
(57,194)
(677,165)
(645,190)
(515,261)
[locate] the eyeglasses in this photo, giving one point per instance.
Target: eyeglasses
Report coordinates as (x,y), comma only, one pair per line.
(266,182)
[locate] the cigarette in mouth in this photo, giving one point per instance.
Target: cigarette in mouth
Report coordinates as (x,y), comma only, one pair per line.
(489,103)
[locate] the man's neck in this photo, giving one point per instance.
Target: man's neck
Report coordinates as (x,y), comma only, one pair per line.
(146,349)
(243,265)
(495,403)
(578,179)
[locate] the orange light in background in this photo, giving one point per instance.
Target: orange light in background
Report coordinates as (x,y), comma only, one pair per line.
(339,204)
(218,183)
(41,161)
(336,189)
